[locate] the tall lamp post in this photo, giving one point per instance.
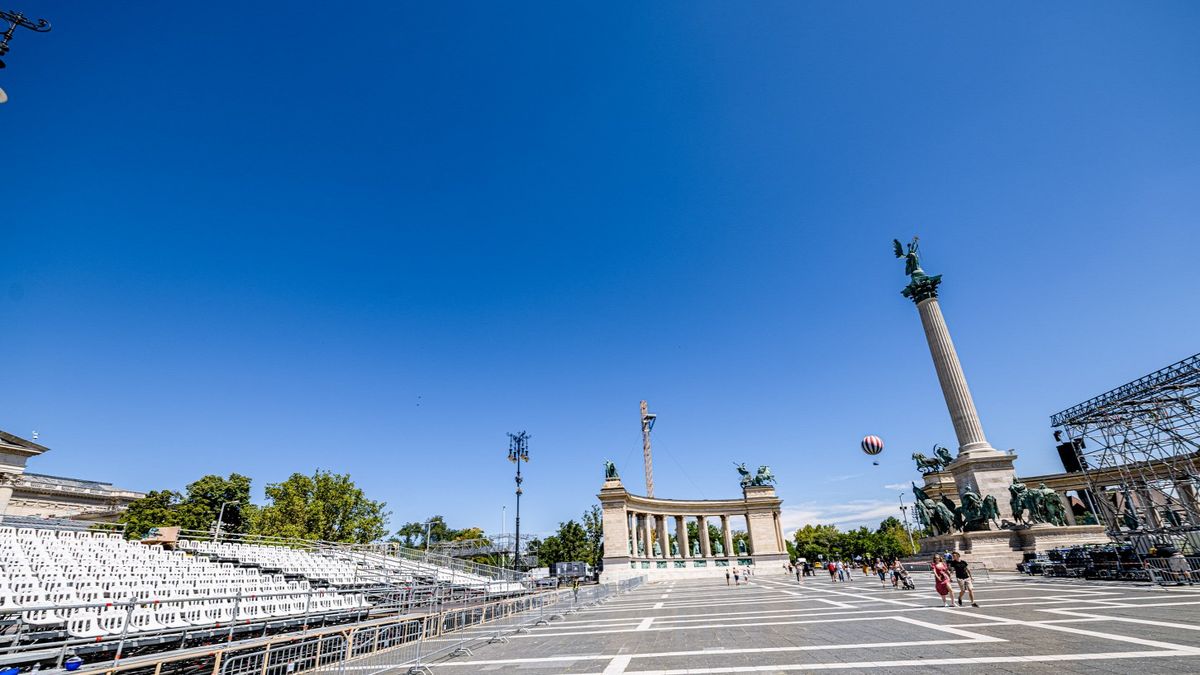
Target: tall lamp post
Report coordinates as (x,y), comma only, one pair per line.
(15,19)
(221,520)
(904,512)
(518,451)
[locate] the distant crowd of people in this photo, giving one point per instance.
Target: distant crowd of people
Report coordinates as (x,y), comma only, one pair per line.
(947,571)
(738,574)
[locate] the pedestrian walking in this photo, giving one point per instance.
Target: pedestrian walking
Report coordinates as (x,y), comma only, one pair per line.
(832,572)
(1180,568)
(941,580)
(726,577)
(737,578)
(798,572)
(847,567)
(966,583)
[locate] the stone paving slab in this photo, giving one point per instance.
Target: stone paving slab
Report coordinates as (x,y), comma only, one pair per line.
(776,625)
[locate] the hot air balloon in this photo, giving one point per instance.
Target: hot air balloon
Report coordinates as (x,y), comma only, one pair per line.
(872,445)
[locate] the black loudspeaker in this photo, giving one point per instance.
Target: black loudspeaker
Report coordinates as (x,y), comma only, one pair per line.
(1069,453)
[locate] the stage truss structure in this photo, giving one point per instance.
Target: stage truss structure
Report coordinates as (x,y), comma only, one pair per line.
(1139,446)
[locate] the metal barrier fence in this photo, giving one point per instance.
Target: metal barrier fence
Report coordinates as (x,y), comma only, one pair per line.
(375,645)
(1174,570)
(459,632)
(111,627)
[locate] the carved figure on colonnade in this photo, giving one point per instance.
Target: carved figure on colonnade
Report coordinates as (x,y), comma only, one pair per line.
(610,470)
(745,474)
(764,476)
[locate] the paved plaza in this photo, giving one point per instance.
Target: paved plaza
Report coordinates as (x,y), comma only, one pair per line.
(777,625)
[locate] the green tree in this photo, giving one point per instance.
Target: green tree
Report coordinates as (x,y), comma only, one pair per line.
(159,508)
(409,535)
(198,509)
(813,541)
(325,506)
(569,544)
(593,524)
(202,505)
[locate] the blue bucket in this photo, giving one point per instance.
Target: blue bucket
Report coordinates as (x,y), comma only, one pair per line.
(72,663)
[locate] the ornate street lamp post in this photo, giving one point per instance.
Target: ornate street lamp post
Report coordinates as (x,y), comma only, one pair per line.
(14,20)
(518,451)
(907,528)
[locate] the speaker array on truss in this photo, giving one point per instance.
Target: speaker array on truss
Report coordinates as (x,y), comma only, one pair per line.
(1139,446)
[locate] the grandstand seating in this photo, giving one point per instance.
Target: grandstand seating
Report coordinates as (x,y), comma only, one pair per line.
(345,567)
(56,579)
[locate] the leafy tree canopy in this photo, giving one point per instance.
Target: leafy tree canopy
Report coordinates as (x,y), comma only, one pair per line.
(889,540)
(198,509)
(325,505)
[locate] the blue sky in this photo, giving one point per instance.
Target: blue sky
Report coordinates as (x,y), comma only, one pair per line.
(264,239)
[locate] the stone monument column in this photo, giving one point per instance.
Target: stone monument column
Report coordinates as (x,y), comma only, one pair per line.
(978,466)
(702,532)
(963,415)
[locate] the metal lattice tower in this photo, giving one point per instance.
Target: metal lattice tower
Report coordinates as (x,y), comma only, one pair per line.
(647,424)
(1139,446)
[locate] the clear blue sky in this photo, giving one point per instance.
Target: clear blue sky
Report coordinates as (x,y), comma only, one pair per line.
(271,237)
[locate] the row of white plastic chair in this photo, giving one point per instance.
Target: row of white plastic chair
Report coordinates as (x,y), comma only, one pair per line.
(8,532)
(89,623)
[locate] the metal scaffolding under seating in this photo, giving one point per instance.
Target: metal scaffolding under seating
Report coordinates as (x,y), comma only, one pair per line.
(1148,431)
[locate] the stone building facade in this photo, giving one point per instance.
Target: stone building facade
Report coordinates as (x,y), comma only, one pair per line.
(33,495)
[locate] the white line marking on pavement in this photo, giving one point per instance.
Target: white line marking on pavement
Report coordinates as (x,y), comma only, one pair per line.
(617,665)
(645,624)
(921,663)
(1146,622)
(657,605)
(709,652)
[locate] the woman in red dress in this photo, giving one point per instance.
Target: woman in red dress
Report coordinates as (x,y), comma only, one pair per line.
(941,579)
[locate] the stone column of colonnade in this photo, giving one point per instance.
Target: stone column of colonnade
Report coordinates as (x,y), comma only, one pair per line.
(681,536)
(664,541)
(702,532)
(727,537)
(779,533)
(646,540)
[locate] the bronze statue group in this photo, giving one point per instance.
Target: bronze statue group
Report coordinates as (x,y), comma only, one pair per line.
(1029,507)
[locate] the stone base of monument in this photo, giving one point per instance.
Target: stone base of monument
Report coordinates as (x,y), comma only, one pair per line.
(709,568)
(1002,550)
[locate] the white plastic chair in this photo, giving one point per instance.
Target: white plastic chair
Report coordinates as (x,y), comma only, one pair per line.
(84,623)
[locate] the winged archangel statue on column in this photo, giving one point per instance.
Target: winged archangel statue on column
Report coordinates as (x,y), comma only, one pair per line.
(912,257)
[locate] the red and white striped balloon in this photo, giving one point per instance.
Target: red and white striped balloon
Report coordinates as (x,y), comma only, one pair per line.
(872,445)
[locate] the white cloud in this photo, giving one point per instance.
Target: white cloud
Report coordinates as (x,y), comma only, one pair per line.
(896,486)
(846,515)
(835,479)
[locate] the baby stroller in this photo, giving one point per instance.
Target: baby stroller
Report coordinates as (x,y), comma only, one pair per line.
(906,580)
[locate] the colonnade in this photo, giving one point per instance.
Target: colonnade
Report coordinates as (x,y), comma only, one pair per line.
(647,528)
(634,525)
